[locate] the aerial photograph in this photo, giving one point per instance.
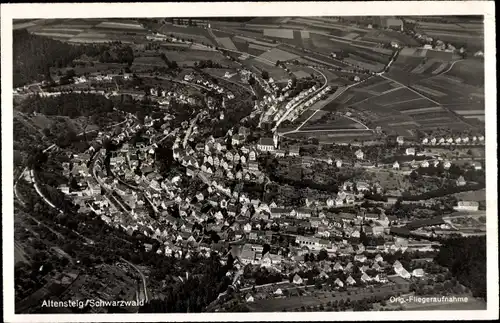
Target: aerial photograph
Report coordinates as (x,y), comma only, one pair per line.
(249,164)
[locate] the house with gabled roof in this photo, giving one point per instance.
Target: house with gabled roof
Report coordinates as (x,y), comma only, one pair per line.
(338,282)
(350,280)
(365,278)
(297,279)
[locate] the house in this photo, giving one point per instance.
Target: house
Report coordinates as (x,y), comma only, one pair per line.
(400,140)
(402,272)
(425,141)
(395,165)
(381,278)
(467,206)
(338,163)
(297,279)
(278,292)
(339,283)
(360,258)
(410,151)
(294,151)
(323,275)
(337,266)
(378,258)
(303,213)
(376,267)
(249,298)
(350,280)
(397,264)
(265,144)
(446,165)
(418,273)
(237,140)
(365,278)
(424,164)
(252,156)
(461,181)
(359,154)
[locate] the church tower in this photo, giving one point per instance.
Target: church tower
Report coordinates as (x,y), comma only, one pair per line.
(276,140)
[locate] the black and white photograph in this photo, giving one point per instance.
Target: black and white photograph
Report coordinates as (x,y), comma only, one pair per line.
(241,163)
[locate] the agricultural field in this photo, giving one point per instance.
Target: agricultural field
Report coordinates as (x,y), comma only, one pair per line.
(226,42)
(149,61)
(328,137)
(329,121)
(279,33)
(470,71)
(277,54)
(189,57)
(277,73)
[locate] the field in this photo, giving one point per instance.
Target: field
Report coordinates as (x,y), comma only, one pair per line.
(200,35)
(327,123)
(276,54)
(189,57)
(470,71)
(279,33)
(328,137)
(226,42)
(149,61)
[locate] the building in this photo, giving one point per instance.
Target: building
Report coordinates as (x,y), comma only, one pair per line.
(477,166)
(418,273)
(395,165)
(461,181)
(359,154)
(297,280)
(266,144)
(410,151)
(467,206)
(400,140)
(393,23)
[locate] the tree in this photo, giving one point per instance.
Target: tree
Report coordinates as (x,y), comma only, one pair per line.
(265,75)
(323,254)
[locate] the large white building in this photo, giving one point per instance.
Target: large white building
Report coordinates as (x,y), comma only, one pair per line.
(467,206)
(266,144)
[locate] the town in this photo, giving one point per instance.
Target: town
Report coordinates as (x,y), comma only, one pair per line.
(283,177)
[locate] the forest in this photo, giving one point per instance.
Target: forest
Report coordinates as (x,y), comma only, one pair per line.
(33,56)
(466,259)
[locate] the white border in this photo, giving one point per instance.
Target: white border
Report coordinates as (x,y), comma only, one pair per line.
(135,10)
